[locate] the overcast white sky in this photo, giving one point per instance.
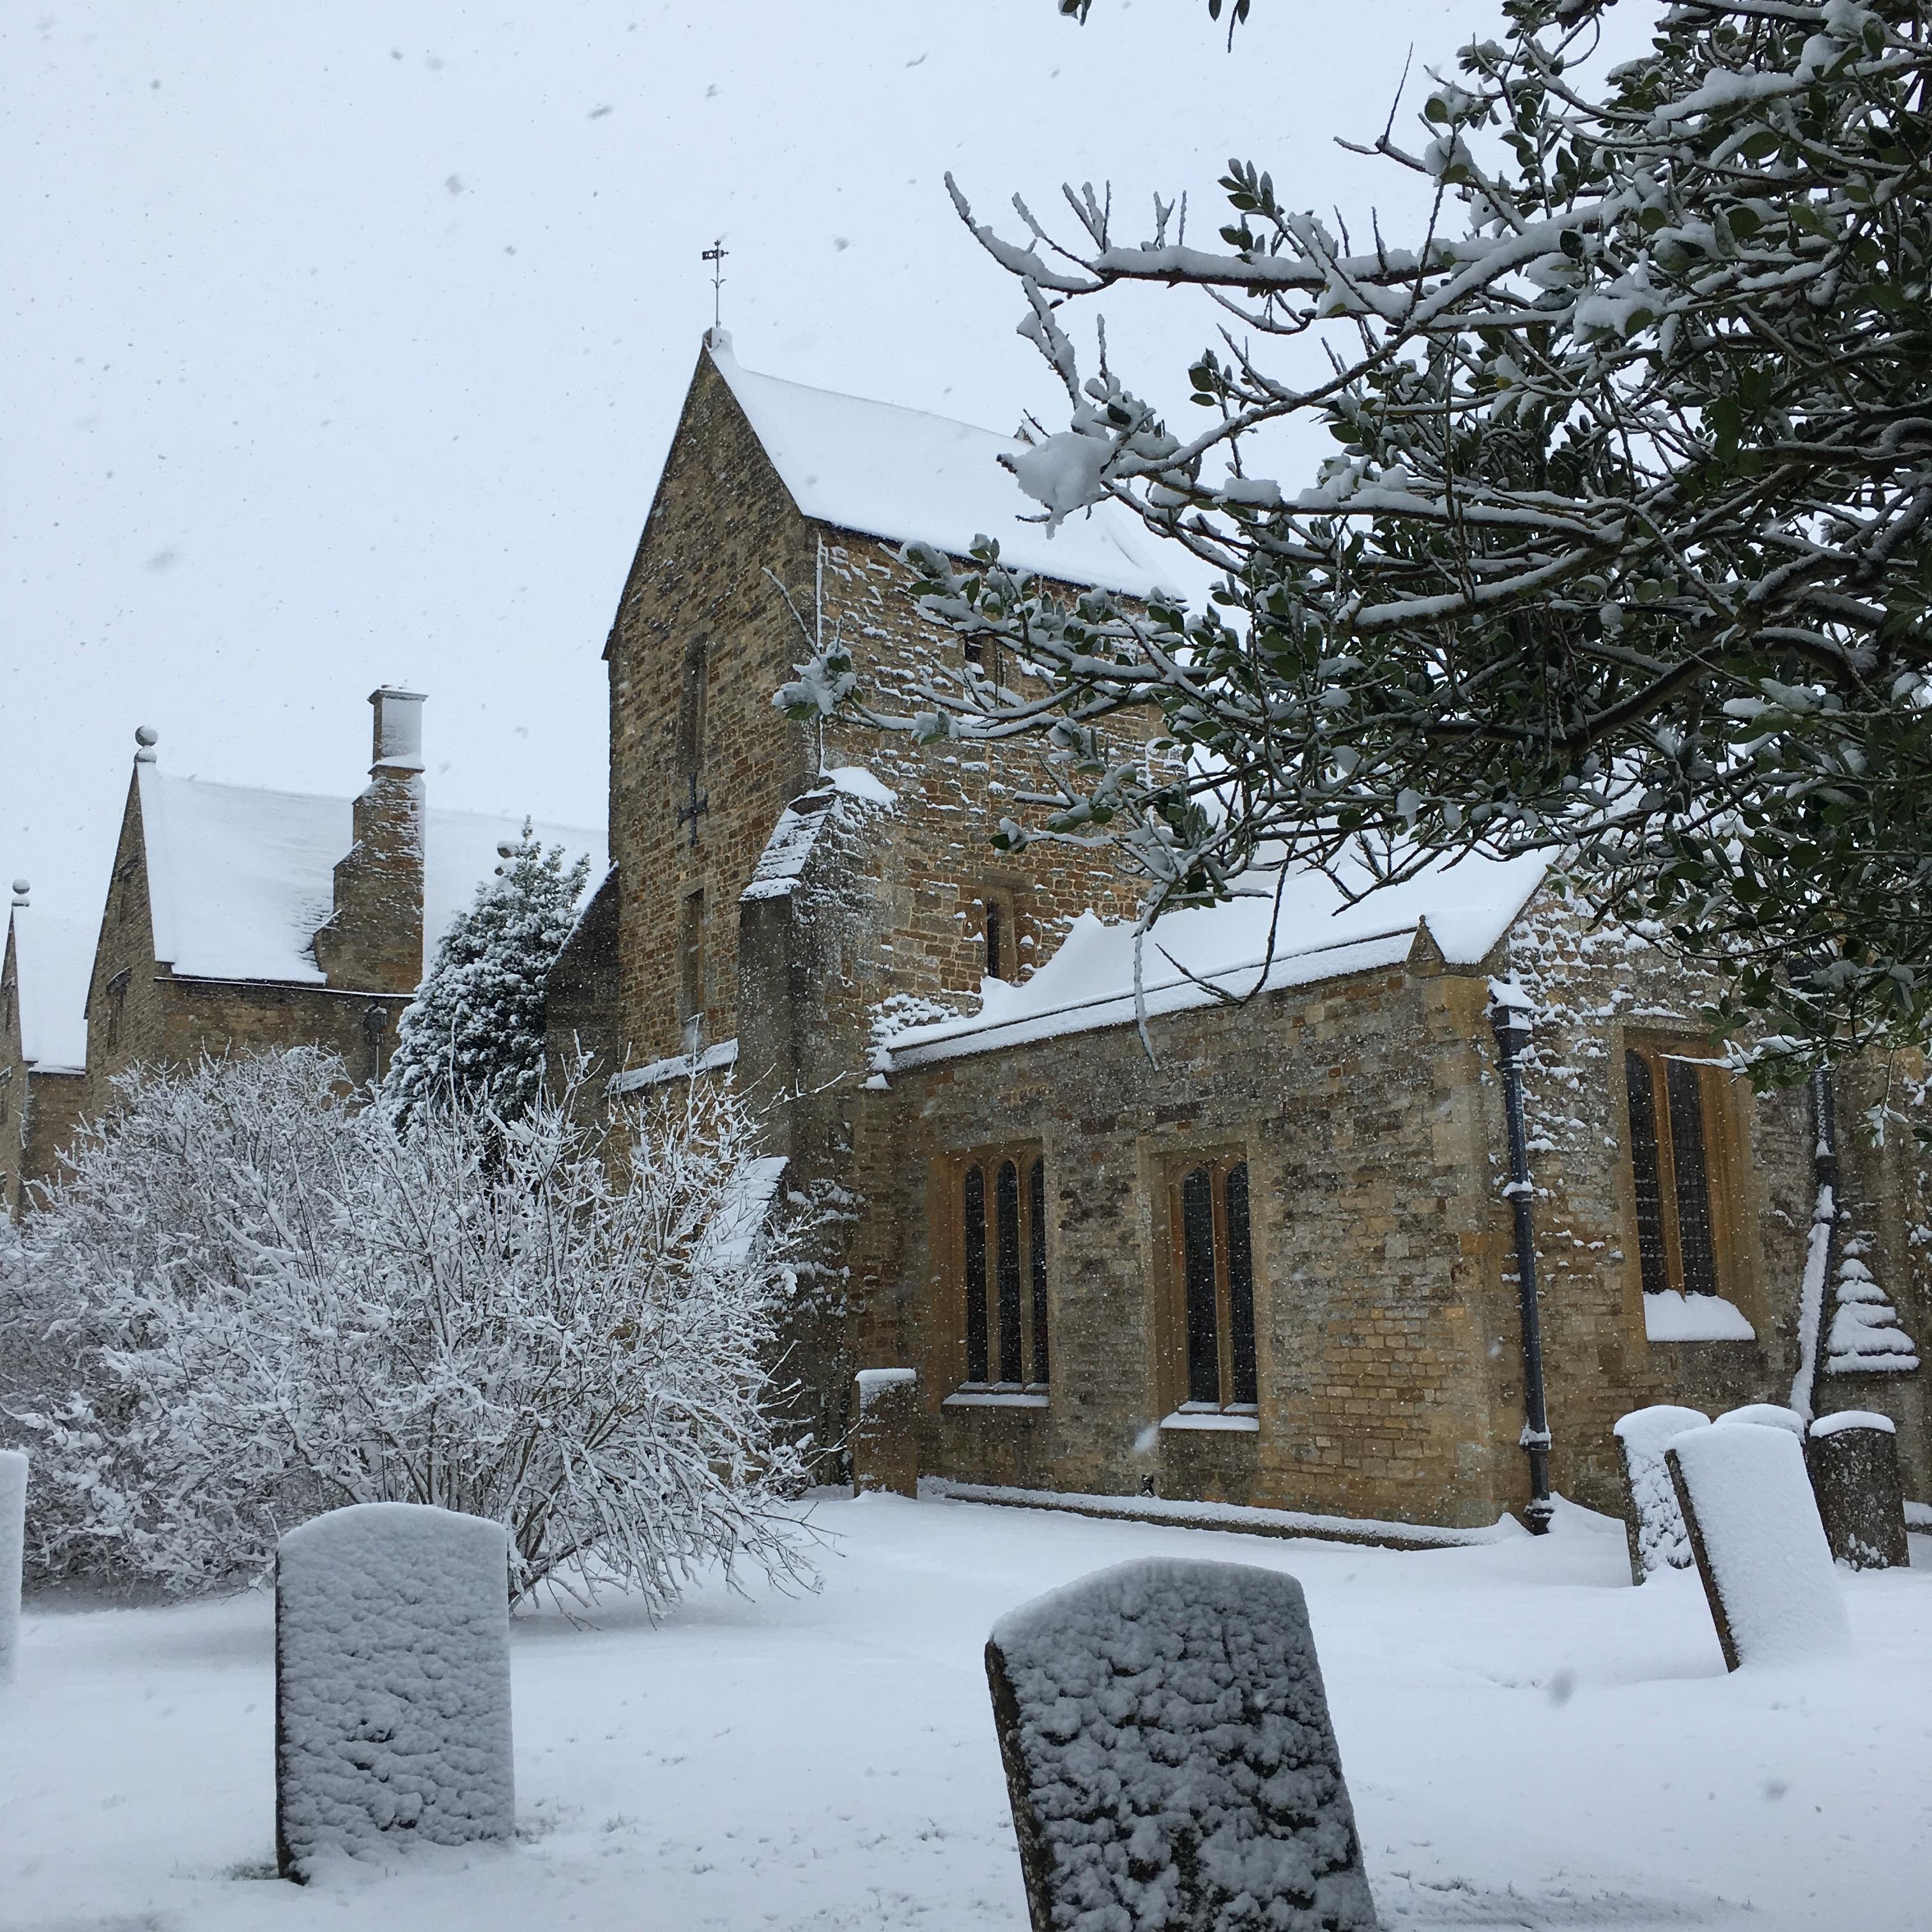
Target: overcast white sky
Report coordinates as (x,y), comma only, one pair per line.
(343,341)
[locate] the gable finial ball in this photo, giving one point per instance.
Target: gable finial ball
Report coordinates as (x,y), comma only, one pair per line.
(146,736)
(22,887)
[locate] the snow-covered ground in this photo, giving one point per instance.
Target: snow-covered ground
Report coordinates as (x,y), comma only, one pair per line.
(1530,1742)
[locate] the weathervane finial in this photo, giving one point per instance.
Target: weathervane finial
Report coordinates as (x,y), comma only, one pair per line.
(716,255)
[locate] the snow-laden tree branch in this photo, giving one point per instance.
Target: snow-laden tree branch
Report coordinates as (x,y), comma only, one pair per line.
(266,1302)
(1623,552)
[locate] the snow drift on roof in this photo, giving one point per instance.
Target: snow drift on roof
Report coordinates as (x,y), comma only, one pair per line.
(54,958)
(901,474)
(1088,983)
(240,878)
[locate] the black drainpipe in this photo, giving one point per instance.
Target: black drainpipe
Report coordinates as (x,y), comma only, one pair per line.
(1511,1022)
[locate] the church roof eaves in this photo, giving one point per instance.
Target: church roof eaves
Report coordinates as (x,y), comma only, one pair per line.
(881,469)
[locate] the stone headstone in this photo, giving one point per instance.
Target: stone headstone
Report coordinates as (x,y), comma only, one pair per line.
(12,1544)
(885,1440)
(1853,1458)
(1652,1521)
(1170,1758)
(392,1683)
(1759,1545)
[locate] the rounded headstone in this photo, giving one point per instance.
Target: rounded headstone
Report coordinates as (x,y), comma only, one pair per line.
(1853,1458)
(392,1683)
(1170,1757)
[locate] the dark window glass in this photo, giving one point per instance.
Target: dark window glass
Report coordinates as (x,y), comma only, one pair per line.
(993,947)
(1648,1186)
(1686,1104)
(975,1195)
(1241,1287)
(1007,1195)
(1197,1219)
(1036,1188)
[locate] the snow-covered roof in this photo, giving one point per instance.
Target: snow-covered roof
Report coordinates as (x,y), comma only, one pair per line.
(1088,983)
(898,473)
(240,878)
(54,958)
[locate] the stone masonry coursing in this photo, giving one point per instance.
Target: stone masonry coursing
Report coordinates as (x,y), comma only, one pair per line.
(728,580)
(1366,1106)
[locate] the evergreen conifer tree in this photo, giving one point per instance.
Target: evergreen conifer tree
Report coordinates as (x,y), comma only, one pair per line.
(476,1028)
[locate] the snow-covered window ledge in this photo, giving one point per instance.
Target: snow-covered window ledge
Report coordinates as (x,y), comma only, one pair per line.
(995,1395)
(1671,1317)
(1242,1416)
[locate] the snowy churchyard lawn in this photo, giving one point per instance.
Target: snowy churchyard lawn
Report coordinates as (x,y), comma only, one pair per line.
(1528,1742)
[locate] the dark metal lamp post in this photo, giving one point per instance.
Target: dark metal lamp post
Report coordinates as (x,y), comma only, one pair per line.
(1509,1016)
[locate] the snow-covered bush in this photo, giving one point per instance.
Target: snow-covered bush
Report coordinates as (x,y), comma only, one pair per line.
(275,1303)
(476,1028)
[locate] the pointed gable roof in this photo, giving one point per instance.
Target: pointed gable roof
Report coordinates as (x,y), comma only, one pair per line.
(53,962)
(240,877)
(884,471)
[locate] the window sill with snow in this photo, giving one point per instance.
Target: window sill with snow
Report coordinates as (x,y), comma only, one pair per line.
(1671,1317)
(1244,1416)
(996,1395)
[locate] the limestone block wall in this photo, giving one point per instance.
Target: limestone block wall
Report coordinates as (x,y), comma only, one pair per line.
(941,864)
(1599,990)
(1385,1331)
(53,1112)
(701,641)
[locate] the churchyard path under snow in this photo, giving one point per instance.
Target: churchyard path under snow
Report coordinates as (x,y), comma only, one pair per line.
(1529,1742)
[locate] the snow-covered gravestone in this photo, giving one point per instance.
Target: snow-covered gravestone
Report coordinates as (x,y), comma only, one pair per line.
(1652,1521)
(1760,1547)
(392,1683)
(1853,1458)
(1170,1758)
(885,1439)
(12,1540)
(1765,1415)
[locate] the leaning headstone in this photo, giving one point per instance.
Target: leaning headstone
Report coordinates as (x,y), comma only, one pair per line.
(1766,1415)
(1652,1521)
(12,1540)
(1170,1758)
(885,1441)
(1853,1457)
(1760,1547)
(392,1683)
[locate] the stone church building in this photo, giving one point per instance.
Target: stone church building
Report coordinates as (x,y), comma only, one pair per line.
(42,1042)
(1267,1262)
(238,919)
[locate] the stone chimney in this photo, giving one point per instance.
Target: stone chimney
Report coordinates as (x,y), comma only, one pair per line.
(373,941)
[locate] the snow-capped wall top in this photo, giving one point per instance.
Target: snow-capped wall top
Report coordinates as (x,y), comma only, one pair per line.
(1088,983)
(239,878)
(54,958)
(898,473)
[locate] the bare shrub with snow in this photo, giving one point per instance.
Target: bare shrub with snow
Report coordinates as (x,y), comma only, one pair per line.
(276,1304)
(1170,1756)
(392,1684)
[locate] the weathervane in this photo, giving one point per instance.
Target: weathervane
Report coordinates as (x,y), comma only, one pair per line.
(716,255)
